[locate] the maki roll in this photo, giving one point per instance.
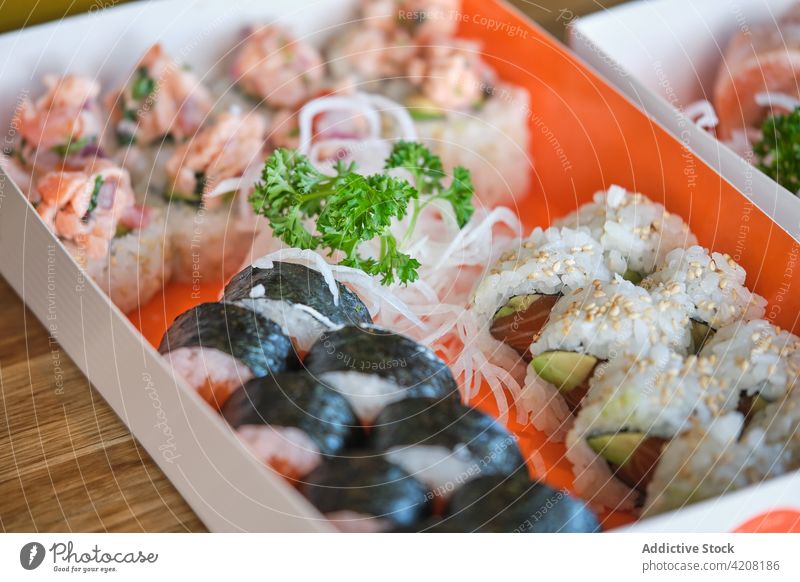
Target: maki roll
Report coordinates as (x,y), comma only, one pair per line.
(516,298)
(780,423)
(634,407)
(444,443)
(217,347)
(503,504)
(297,298)
(636,233)
(715,285)
(291,421)
(761,360)
(590,325)
(710,460)
(374,367)
(366,494)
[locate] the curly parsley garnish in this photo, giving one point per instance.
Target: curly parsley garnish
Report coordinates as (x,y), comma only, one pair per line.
(349,209)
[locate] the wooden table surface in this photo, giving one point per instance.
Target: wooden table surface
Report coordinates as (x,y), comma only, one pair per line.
(67,463)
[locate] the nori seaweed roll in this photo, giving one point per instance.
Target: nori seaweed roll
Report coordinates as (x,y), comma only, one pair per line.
(217,347)
(366,494)
(290,421)
(443,443)
(374,367)
(298,299)
(502,504)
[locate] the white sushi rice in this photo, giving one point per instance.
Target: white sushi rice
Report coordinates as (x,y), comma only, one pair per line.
(714,282)
(301,323)
(609,319)
(491,143)
(635,232)
(441,469)
(547,262)
(208,245)
(137,267)
(213,374)
(756,357)
(594,480)
(368,394)
(286,449)
(707,461)
(780,422)
(656,394)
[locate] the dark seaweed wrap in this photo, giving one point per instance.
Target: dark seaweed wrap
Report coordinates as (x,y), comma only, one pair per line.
(371,350)
(515,504)
(297,284)
(370,486)
(450,424)
(297,400)
(252,339)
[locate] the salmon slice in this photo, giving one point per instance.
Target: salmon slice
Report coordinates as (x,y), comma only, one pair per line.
(757,60)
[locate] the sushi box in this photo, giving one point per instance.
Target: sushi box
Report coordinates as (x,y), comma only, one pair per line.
(585,135)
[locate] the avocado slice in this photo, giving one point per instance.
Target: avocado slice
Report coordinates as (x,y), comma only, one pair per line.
(701,333)
(515,304)
(616,448)
(634,277)
(565,370)
(423,109)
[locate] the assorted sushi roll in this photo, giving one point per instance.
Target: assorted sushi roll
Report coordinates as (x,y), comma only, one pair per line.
(291,421)
(515,299)
(366,494)
(716,286)
(162,100)
(298,298)
(593,324)
(709,460)
(633,407)
(217,347)
(761,360)
(636,233)
(514,504)
(373,367)
(443,443)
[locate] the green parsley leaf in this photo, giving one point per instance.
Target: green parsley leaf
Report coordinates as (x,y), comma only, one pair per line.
(778,152)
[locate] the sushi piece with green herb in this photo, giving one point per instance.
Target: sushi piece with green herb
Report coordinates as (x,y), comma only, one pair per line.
(298,298)
(443,443)
(291,421)
(373,367)
(366,494)
(217,347)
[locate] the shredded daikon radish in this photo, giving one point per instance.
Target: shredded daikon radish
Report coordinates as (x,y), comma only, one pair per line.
(780,100)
